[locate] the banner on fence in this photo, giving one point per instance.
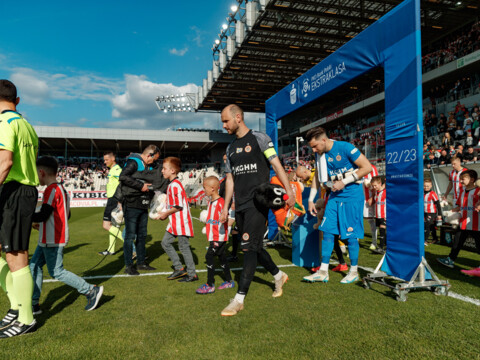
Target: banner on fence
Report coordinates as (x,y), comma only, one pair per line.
(83,198)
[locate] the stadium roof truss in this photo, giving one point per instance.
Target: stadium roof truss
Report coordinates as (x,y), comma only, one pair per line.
(269,43)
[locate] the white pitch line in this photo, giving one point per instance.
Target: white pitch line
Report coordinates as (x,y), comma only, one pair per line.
(450,293)
(155,274)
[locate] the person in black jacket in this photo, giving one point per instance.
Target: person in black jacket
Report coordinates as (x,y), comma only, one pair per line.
(136,200)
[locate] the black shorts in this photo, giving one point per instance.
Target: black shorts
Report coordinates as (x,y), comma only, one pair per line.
(380,222)
(216,248)
(252,225)
(17,205)
(111,205)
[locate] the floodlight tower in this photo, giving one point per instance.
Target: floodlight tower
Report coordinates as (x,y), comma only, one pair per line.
(177,102)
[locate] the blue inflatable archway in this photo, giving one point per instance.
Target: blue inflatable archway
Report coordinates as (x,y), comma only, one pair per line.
(393,42)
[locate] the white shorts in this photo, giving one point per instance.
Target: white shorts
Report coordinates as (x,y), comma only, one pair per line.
(368,211)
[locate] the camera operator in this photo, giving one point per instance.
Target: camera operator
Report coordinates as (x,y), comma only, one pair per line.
(135,207)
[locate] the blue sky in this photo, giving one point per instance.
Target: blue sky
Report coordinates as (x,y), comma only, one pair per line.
(101,63)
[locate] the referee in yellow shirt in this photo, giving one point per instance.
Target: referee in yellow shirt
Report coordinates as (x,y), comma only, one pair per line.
(18,199)
(113,181)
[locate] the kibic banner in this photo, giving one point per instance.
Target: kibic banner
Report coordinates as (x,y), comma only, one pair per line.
(83,198)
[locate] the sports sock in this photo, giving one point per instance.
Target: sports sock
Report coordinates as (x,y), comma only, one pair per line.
(373,231)
(115,233)
(327,247)
(239,298)
(278,276)
(383,237)
(338,251)
(235,241)
(354,249)
(6,283)
(323,267)
(354,268)
(23,290)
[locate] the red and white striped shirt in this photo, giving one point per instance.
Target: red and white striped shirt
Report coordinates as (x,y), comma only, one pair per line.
(216,231)
(467,201)
(369,192)
(54,231)
(381,204)
(179,223)
(429,200)
(454,177)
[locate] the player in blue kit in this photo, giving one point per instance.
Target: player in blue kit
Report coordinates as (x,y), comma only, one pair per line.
(340,166)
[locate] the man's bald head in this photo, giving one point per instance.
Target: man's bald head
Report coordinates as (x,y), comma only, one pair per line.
(303,173)
(232,120)
(234,110)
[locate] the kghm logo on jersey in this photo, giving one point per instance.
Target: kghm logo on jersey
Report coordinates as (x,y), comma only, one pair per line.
(243,169)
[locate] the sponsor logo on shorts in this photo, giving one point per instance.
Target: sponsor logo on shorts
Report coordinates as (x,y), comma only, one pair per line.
(248,148)
(338,158)
(350,229)
(245,237)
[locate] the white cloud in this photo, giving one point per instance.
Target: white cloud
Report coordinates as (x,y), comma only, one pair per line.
(136,109)
(31,89)
(131,99)
(179,52)
(198,38)
(40,87)
(138,99)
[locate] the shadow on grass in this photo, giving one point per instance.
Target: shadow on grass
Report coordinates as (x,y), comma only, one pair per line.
(439,251)
(70,249)
(111,267)
(283,251)
(49,311)
(236,277)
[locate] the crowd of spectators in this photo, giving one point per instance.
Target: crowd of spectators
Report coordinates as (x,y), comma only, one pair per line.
(85,176)
(456,135)
(455,90)
(453,47)
(459,133)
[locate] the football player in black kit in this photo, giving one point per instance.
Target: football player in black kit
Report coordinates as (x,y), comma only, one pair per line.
(249,158)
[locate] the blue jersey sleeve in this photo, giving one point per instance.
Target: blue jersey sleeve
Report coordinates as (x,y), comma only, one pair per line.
(352,152)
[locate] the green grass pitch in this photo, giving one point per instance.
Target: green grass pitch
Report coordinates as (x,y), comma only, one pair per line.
(149,317)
